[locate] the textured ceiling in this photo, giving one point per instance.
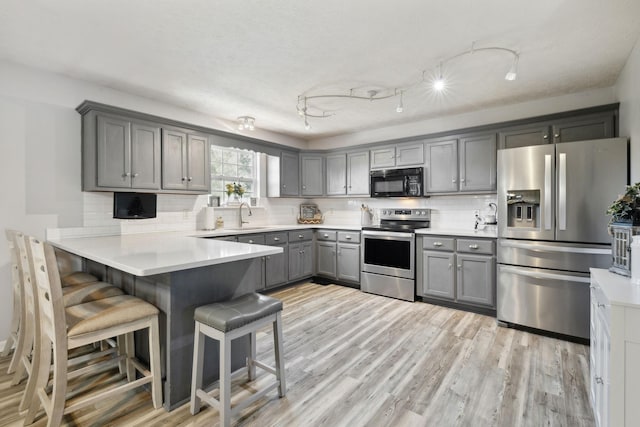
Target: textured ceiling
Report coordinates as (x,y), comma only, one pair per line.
(251,57)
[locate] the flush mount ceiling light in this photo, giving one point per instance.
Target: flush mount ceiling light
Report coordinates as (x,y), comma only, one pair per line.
(439,84)
(246,123)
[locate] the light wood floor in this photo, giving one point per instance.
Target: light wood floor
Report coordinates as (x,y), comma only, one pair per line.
(355,359)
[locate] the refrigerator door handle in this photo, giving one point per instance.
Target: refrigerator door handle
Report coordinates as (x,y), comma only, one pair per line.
(562,191)
(547,192)
(550,248)
(543,275)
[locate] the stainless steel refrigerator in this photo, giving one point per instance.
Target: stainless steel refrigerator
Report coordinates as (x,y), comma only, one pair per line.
(552,202)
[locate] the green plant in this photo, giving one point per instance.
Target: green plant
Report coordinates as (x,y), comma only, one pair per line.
(235,189)
(625,207)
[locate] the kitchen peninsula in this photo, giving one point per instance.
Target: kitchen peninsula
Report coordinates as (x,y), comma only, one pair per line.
(177,273)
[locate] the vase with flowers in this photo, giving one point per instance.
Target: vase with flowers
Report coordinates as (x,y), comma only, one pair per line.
(235,192)
(626,208)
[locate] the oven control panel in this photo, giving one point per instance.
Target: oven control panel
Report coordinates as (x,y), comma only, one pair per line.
(405,214)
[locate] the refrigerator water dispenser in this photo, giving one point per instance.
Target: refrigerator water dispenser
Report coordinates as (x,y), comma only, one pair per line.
(523,208)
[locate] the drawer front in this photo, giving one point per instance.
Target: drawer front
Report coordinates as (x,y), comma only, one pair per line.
(476,246)
(438,243)
(276,238)
(326,235)
(349,236)
(298,236)
(256,239)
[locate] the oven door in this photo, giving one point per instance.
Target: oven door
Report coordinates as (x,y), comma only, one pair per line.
(388,253)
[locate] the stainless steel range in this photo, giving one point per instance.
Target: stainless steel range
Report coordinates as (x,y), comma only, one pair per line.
(388,253)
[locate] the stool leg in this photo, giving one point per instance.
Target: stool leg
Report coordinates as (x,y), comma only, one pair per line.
(252,356)
(154,357)
(279,353)
(225,381)
(130,352)
(196,376)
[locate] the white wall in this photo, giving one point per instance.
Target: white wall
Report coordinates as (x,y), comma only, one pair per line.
(628,92)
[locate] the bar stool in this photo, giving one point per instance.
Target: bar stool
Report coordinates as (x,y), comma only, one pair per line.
(225,321)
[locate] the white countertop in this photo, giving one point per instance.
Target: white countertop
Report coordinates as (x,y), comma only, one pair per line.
(155,253)
(269,228)
(618,289)
(487,232)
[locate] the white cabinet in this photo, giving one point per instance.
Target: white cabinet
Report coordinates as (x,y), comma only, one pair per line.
(348,174)
(401,155)
(615,349)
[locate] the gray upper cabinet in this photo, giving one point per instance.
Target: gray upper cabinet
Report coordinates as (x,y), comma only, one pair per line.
(401,155)
(477,160)
(128,154)
(289,176)
(462,164)
(348,174)
(577,128)
(312,176)
(185,161)
(442,166)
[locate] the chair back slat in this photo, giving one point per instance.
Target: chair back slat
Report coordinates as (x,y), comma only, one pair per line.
(15,267)
(27,274)
(49,291)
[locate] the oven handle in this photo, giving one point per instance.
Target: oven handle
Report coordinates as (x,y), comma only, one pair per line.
(398,235)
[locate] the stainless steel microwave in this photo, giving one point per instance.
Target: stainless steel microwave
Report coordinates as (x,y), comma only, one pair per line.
(397,182)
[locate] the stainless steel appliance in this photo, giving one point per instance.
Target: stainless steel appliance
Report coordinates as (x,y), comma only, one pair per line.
(552,201)
(408,182)
(388,253)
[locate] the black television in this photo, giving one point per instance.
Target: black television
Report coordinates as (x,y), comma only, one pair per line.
(134,205)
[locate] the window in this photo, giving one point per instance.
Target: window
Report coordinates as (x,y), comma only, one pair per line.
(229,165)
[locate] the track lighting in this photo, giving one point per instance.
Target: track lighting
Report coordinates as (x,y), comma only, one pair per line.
(306,109)
(246,123)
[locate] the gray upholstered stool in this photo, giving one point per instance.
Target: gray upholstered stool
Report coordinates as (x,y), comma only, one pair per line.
(225,321)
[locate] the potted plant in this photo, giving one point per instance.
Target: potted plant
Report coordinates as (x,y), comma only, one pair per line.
(626,208)
(237,190)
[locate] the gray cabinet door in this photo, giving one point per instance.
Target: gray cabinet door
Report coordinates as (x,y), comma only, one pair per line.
(383,157)
(145,156)
(198,178)
(358,173)
(295,261)
(477,167)
(336,175)
(174,153)
(114,152)
(277,267)
(326,252)
(595,126)
(442,166)
(524,136)
(289,174)
(410,154)
(475,278)
(311,171)
(348,267)
(307,259)
(438,277)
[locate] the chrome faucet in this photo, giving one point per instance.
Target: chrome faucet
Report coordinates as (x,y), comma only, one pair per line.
(240,221)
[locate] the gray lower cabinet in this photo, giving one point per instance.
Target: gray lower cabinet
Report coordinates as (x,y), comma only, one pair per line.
(128,154)
(185,161)
(312,175)
(300,254)
(457,269)
(276,268)
(338,255)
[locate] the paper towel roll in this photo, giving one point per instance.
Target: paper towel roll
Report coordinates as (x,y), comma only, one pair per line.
(209,218)
(635,259)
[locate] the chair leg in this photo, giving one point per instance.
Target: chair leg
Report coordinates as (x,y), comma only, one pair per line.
(225,382)
(39,376)
(130,353)
(8,345)
(27,347)
(251,367)
(279,353)
(59,391)
(196,375)
(154,361)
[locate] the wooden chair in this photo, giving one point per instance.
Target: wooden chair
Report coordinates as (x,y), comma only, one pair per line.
(16,337)
(224,322)
(72,295)
(64,328)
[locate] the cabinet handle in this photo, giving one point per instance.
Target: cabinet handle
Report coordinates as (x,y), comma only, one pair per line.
(545,136)
(126,174)
(304,187)
(300,236)
(600,305)
(453,181)
(347,237)
(250,241)
(135,175)
(268,256)
(462,180)
(450,266)
(349,187)
(190,179)
(284,185)
(325,236)
(184,178)
(599,380)
(474,246)
(437,244)
(459,266)
(276,239)
(556,135)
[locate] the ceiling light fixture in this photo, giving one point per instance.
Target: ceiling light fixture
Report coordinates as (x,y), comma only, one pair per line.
(305,110)
(246,123)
